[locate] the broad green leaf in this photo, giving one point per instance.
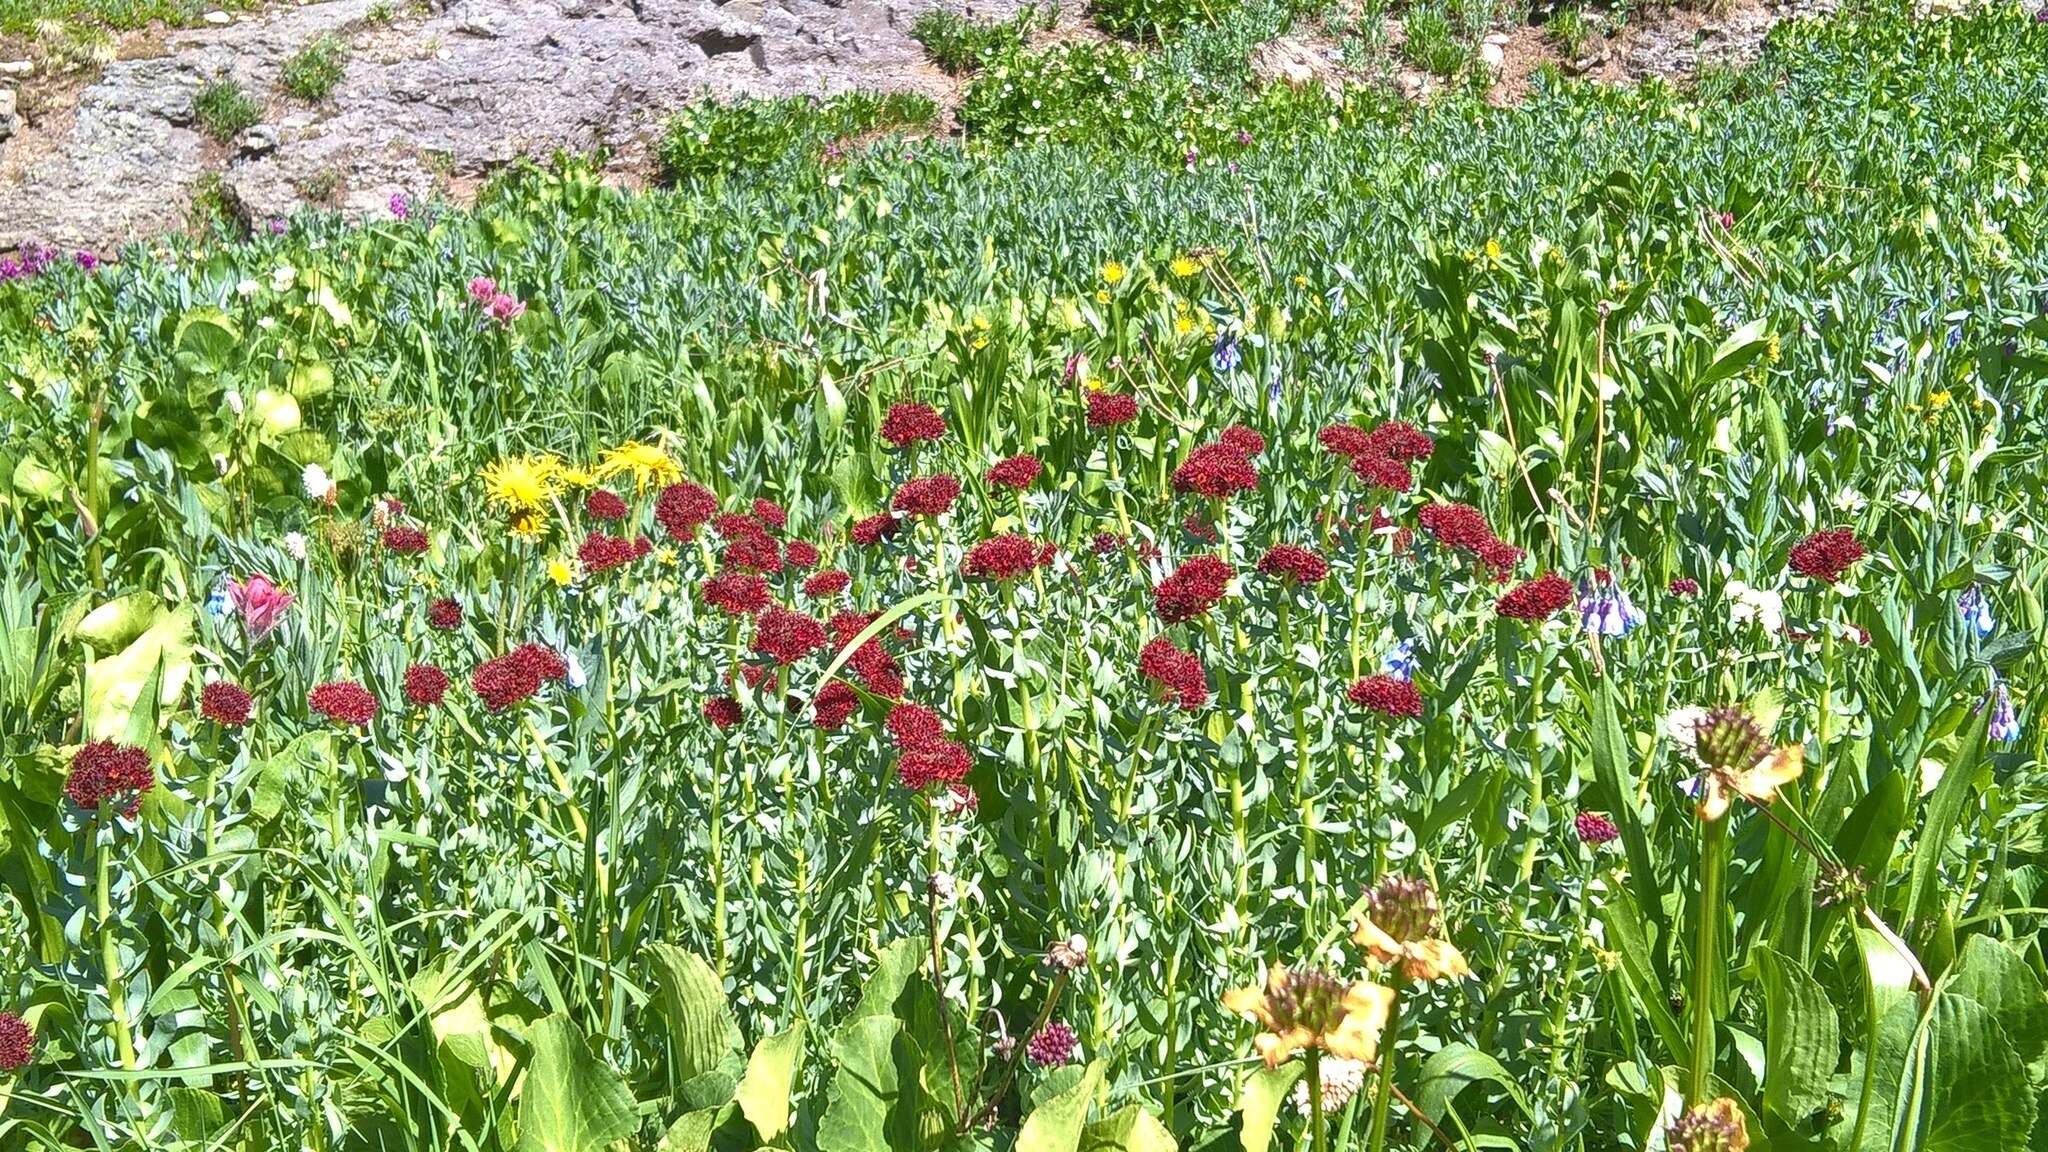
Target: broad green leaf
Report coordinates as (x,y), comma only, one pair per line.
(1943,809)
(692,1131)
(701,1023)
(114,686)
(116,623)
(1625,928)
(867,1106)
(570,1100)
(206,341)
(1453,1069)
(1258,1103)
(1055,1126)
(1995,976)
(1131,1129)
(1613,770)
(1801,1038)
(764,1092)
(1977,1095)
(879,993)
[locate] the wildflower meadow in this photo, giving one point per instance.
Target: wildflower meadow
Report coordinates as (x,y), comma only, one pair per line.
(1413,627)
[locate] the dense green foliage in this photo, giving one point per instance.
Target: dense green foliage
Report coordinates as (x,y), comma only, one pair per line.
(1659,334)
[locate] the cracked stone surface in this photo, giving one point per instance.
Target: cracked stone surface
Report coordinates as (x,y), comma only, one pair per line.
(445,98)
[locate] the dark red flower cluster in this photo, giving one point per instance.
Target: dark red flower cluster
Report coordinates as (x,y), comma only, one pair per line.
(1005,557)
(344,702)
(1178,672)
(104,771)
(925,755)
(1380,458)
(749,545)
(736,593)
(405,540)
(683,508)
(444,614)
(912,423)
(873,530)
(1826,556)
(1685,586)
(872,662)
(1537,599)
(800,554)
(605,505)
(1111,409)
(1217,471)
(1595,829)
(1106,543)
(227,705)
(1018,473)
(1192,589)
(17,1043)
(1463,528)
(1198,526)
(1382,472)
(722,711)
(770,513)
(602,553)
(1294,562)
(927,496)
(1402,441)
(824,585)
(1245,440)
(425,685)
(835,704)
(517,675)
(912,724)
(1389,696)
(785,636)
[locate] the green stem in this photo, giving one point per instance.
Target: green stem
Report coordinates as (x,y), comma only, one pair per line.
(110,953)
(1534,756)
(1713,875)
(1318,1139)
(1376,1139)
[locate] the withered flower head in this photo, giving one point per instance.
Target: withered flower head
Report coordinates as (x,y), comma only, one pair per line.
(1303,1008)
(1403,929)
(1716,1126)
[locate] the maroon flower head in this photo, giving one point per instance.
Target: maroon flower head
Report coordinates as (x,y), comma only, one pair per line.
(444,615)
(736,593)
(933,762)
(835,704)
(800,554)
(1217,471)
(601,553)
(1005,557)
(514,677)
(785,636)
(1243,439)
(405,540)
(683,508)
(1685,586)
(770,513)
(1536,599)
(1389,696)
(927,496)
(344,702)
(1595,829)
(914,725)
(1111,409)
(1294,563)
(17,1043)
(1383,473)
(827,584)
(1178,673)
(604,505)
(104,771)
(873,530)
(227,705)
(722,711)
(1826,556)
(1346,440)
(1401,441)
(912,423)
(1017,473)
(1194,588)
(425,685)
(1052,1045)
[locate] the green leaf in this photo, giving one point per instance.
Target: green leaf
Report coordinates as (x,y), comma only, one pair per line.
(1611,768)
(1943,810)
(206,340)
(1455,1068)
(1997,977)
(868,1108)
(701,1023)
(1132,1129)
(161,658)
(1801,1037)
(878,995)
(1055,1126)
(763,1094)
(1258,1103)
(1624,927)
(571,1101)
(692,1131)
(1977,1096)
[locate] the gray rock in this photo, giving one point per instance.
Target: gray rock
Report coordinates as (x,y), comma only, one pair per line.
(260,140)
(17,67)
(450,95)
(8,118)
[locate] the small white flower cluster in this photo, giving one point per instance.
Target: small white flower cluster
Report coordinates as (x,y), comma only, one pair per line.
(1342,1079)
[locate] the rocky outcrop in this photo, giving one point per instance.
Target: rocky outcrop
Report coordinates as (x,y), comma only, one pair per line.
(446,97)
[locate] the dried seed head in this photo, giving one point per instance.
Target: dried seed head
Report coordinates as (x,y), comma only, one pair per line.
(1308,998)
(1715,1126)
(1404,908)
(1729,740)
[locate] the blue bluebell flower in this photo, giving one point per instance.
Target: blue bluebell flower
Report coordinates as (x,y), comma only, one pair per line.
(217,605)
(1400,663)
(1226,357)
(1975,609)
(1605,609)
(2005,721)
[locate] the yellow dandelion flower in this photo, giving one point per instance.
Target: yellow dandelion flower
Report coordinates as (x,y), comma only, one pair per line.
(1938,399)
(527,523)
(1101,296)
(1493,250)
(560,572)
(520,483)
(647,464)
(1304,1008)
(1113,273)
(1184,266)
(1184,324)
(1300,281)
(667,557)
(980,342)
